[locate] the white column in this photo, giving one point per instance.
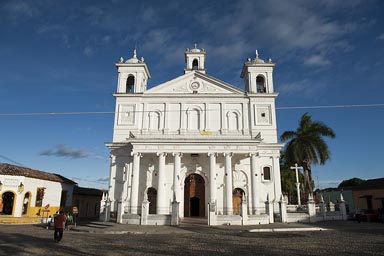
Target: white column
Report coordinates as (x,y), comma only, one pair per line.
(161,207)
(255,182)
(124,194)
(182,118)
(206,117)
(228,183)
(212,177)
(135,183)
(176,177)
(165,117)
(223,127)
(112,179)
(145,117)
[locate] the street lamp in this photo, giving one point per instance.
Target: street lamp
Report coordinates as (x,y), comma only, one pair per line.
(20,188)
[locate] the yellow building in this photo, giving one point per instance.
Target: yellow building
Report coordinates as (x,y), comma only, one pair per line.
(30,196)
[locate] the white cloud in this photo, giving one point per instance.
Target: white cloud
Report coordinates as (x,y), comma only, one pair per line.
(20,10)
(381,37)
(316,60)
(88,51)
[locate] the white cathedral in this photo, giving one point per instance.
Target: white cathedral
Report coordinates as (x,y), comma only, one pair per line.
(194,146)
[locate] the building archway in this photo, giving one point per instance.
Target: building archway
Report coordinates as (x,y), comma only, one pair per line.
(152,199)
(194,196)
(237,199)
(26,203)
(8,202)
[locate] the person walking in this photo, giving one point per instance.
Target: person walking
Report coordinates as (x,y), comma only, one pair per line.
(59,226)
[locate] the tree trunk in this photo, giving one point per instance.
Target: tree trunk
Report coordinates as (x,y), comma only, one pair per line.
(308,189)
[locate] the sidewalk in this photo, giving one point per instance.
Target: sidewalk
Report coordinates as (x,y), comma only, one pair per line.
(115,228)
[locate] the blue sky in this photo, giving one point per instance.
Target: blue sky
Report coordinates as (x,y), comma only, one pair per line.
(58,56)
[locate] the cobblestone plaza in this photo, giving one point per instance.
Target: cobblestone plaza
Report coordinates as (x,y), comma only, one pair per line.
(336,238)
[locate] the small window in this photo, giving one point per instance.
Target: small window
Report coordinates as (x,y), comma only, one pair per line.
(39,197)
(267,173)
(195,64)
(130,84)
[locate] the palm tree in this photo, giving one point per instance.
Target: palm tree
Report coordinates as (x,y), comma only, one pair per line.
(306,146)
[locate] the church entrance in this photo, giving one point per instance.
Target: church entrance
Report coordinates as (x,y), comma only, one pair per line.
(152,199)
(194,196)
(8,200)
(237,198)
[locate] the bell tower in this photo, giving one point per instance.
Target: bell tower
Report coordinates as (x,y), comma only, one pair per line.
(257,75)
(195,60)
(133,75)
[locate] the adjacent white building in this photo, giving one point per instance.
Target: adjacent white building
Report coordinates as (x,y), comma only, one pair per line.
(194,146)
(28,195)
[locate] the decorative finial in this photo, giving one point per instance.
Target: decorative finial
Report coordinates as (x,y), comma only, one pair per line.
(195,45)
(257,54)
(121,60)
(269,60)
(142,59)
(134,53)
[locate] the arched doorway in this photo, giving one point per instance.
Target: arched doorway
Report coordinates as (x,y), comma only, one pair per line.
(237,198)
(152,199)
(194,196)
(8,201)
(26,203)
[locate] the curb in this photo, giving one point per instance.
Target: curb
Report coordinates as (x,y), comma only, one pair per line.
(287,229)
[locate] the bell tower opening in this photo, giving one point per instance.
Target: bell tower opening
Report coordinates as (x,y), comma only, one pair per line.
(257,75)
(195,64)
(195,60)
(260,84)
(130,84)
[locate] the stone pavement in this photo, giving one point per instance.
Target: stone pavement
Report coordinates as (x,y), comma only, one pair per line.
(115,228)
(197,239)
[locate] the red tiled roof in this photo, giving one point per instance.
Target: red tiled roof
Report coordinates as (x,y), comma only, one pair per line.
(14,170)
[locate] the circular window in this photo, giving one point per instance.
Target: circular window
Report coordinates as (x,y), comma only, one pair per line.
(195,85)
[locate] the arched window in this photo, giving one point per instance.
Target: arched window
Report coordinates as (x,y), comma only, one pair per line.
(193,119)
(260,84)
(233,121)
(154,121)
(195,64)
(267,173)
(130,84)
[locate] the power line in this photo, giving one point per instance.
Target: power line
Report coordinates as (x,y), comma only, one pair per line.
(10,160)
(139,111)
(333,106)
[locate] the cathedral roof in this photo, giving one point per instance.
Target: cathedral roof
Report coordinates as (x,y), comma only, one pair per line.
(195,50)
(133,60)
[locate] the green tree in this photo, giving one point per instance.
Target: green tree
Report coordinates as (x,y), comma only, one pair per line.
(351,182)
(306,146)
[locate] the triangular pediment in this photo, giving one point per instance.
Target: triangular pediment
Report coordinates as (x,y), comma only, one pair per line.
(195,82)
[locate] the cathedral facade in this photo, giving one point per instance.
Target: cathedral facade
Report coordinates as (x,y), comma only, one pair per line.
(194,146)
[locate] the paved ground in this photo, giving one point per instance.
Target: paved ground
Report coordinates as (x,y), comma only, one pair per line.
(99,238)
